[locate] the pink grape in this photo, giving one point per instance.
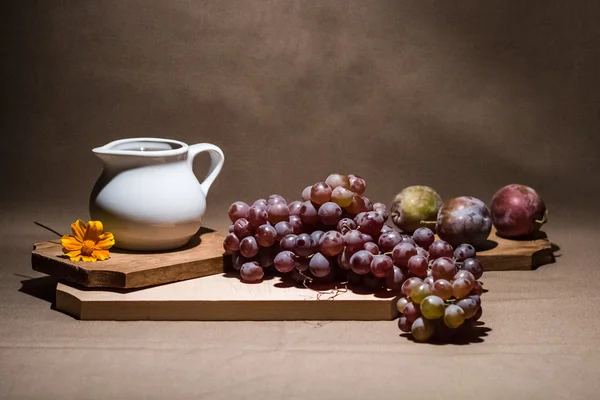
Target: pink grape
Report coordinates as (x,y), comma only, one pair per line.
(345,225)
(372,248)
(354,241)
(283,228)
(440,248)
(410,284)
(262,203)
(357,205)
(278,212)
(403,324)
(388,240)
(461,288)
(276,199)
(402,253)
(308,213)
(442,288)
(294,207)
(464,275)
(417,265)
(331,243)
(429,280)
(248,247)
(265,235)
(477,289)
(231,243)
(423,237)
(303,245)
(288,242)
(231,228)
(285,261)
(241,228)
(296,224)
(360,262)
(251,272)
(443,268)
(341,196)
(238,210)
(257,216)
(330,214)
(357,184)
(319,265)
(382,266)
(320,193)
(412,311)
(306,193)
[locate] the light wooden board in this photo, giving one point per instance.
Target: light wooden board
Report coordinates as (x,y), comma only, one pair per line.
(221,297)
(510,254)
(201,257)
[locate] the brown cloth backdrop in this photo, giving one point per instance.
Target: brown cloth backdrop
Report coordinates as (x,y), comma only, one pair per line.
(463,96)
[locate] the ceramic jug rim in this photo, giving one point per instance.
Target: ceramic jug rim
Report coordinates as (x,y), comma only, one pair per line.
(114,147)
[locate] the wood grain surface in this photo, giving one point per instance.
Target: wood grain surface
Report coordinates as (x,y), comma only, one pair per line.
(125,269)
(224,297)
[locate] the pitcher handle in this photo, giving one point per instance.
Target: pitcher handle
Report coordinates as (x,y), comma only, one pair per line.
(216,162)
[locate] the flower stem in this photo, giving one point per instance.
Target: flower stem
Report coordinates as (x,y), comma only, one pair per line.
(48,228)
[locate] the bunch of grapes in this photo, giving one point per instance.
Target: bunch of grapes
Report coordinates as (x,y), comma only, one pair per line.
(336,234)
(444,298)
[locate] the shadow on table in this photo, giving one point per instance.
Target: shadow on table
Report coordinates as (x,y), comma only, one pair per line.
(461,336)
(43,288)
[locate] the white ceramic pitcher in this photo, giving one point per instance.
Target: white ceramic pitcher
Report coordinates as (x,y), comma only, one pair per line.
(148,195)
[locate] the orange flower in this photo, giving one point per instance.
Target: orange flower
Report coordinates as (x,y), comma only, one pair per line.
(87,243)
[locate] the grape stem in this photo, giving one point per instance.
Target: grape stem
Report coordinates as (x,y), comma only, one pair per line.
(544,219)
(334,292)
(428,222)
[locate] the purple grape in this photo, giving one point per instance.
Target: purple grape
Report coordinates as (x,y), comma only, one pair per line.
(371,223)
(412,311)
(464,251)
(266,256)
(345,225)
(301,264)
(241,228)
(343,259)
(473,265)
(382,266)
(382,212)
(248,247)
(440,248)
(331,243)
(288,242)
(423,237)
(407,239)
(320,193)
(261,203)
(357,184)
(319,265)
(402,253)
(409,284)
(238,210)
(395,279)
(285,261)
(386,228)
(372,282)
(283,228)
(265,235)
(477,314)
(303,245)
(330,213)
(251,272)
(388,240)
(354,279)
(231,227)
(404,324)
(428,280)
(237,260)
(469,306)
(231,243)
(422,252)
(257,216)
(276,199)
(443,268)
(294,207)
(315,237)
(368,204)
(418,265)
(278,212)
(360,262)
(296,224)
(372,248)
(309,214)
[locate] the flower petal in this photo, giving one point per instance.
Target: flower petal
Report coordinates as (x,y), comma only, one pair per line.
(78,228)
(105,241)
(70,243)
(75,257)
(101,254)
(88,259)
(72,254)
(94,230)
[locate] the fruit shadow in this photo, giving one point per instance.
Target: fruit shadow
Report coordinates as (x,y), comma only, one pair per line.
(459,337)
(541,257)
(43,288)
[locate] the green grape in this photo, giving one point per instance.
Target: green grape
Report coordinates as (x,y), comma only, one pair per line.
(402,302)
(420,292)
(454,316)
(432,307)
(422,329)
